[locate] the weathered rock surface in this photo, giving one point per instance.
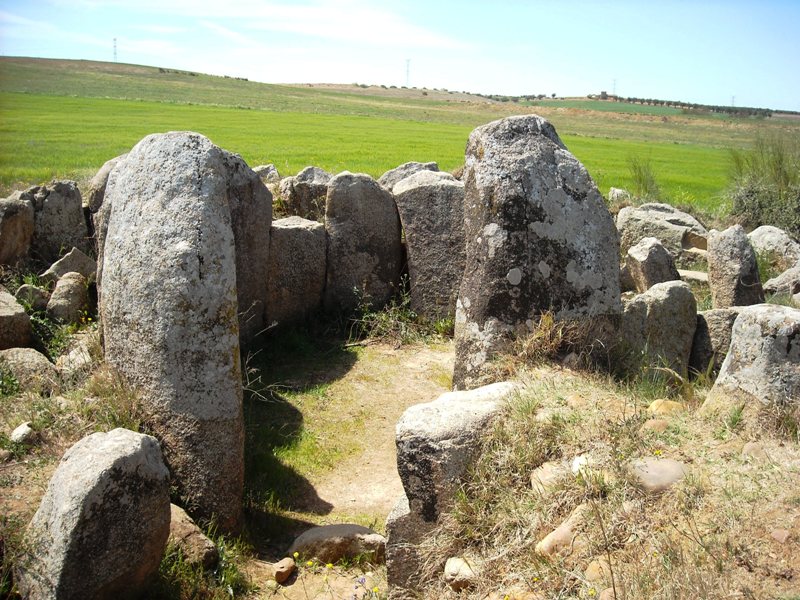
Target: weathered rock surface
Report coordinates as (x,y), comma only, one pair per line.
(73,261)
(304,194)
(563,537)
(787,282)
(394,176)
(776,245)
(762,368)
(364,252)
(538,235)
(656,475)
(23,434)
(545,476)
(97,185)
(650,263)
(658,326)
(169,308)
(618,195)
(732,269)
(58,220)
(436,443)
(15,325)
(196,547)
(296,273)
(31,369)
(431,208)
(81,356)
(16,228)
(101,527)
(332,543)
(676,230)
(35,297)
(70,299)
(712,338)
(249,206)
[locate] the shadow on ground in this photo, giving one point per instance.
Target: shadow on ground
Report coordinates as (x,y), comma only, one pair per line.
(291,361)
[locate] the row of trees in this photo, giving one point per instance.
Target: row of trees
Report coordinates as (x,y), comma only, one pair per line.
(738,111)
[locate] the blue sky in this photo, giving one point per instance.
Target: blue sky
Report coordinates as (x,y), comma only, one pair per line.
(706,52)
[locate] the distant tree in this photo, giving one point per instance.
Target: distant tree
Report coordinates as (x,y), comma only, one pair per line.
(553,94)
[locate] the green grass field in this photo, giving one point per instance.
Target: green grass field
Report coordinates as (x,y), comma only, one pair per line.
(65,118)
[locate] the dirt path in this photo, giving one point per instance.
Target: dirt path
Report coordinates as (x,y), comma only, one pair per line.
(367,483)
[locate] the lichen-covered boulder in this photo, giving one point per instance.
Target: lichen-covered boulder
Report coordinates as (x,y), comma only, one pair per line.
(787,283)
(343,541)
(675,229)
(394,176)
(296,273)
(431,207)
(762,368)
(650,263)
(732,269)
(364,251)
(658,328)
(538,237)
(73,261)
(168,305)
(102,524)
(16,228)
(267,173)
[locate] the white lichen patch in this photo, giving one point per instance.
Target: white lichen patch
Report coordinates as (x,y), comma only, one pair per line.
(544,269)
(514,276)
(495,237)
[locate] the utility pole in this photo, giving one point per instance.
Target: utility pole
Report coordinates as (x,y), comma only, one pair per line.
(115,49)
(733,100)
(408,71)
(614,88)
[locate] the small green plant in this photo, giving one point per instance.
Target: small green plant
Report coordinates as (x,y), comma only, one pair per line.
(8,383)
(644,180)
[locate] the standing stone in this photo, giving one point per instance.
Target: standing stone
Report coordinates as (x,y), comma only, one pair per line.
(70,300)
(169,311)
(97,185)
(650,263)
(431,207)
(762,368)
(732,269)
(59,223)
(436,444)
(250,215)
(267,173)
(538,235)
(16,228)
(658,327)
(394,176)
(304,194)
(712,338)
(364,252)
(102,524)
(296,273)
(15,325)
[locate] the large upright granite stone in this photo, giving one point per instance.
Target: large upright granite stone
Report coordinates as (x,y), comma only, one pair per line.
(304,194)
(431,207)
(762,368)
(102,524)
(538,235)
(15,325)
(296,273)
(650,263)
(658,327)
(364,251)
(249,207)
(169,311)
(97,185)
(732,269)
(59,223)
(16,228)
(712,338)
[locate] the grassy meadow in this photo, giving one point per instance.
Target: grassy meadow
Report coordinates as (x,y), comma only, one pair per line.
(65,118)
